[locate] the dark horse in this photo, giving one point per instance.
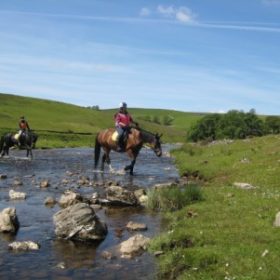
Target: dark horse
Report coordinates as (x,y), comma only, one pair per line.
(27,140)
(135,141)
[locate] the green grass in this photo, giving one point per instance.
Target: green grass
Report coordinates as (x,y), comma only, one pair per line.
(173,198)
(230,228)
(54,121)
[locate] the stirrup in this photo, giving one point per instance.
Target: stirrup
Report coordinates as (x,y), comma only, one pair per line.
(119,149)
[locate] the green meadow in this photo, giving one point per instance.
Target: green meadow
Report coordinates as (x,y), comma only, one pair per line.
(228,233)
(65,125)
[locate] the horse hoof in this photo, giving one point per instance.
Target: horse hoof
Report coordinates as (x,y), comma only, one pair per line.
(127,168)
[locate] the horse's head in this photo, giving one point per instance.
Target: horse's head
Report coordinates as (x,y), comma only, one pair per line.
(157,145)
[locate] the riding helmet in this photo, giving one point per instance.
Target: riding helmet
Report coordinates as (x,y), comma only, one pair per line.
(123,105)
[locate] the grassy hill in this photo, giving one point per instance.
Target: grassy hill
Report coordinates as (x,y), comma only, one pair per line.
(60,124)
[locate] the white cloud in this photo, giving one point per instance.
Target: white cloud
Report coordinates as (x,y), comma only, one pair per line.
(145,12)
(166,11)
(241,27)
(182,14)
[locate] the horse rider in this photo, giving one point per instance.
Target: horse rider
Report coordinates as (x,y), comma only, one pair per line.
(123,121)
(23,126)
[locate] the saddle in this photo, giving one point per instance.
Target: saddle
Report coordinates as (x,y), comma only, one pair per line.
(115,136)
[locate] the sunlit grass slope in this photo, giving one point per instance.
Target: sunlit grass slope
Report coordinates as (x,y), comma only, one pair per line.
(230,233)
(47,117)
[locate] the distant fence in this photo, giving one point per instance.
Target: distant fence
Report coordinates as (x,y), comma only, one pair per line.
(5,129)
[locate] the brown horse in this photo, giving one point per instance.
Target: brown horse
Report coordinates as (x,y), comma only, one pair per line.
(135,141)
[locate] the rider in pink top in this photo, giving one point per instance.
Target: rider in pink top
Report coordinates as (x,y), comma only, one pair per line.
(122,121)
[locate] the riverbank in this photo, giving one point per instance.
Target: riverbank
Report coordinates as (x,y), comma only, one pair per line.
(230,234)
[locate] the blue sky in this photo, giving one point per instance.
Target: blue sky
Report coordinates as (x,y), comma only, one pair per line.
(196,55)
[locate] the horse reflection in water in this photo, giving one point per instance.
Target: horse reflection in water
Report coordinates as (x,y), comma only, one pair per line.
(135,141)
(27,141)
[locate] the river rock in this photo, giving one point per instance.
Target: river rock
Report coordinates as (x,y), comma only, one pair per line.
(107,255)
(79,222)
(121,197)
(65,181)
(17,195)
(83,181)
(50,201)
(165,185)
(69,173)
(3,176)
(8,220)
(134,246)
(24,246)
(94,198)
(141,196)
(277,220)
(17,182)
(136,226)
(69,198)
(244,186)
(44,183)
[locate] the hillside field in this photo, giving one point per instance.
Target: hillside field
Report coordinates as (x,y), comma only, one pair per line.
(64,125)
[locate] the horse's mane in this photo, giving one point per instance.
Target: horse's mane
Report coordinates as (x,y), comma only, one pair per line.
(147,135)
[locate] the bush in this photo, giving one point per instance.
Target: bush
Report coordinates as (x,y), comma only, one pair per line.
(167,120)
(173,198)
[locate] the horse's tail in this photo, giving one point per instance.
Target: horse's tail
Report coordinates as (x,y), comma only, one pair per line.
(2,143)
(96,151)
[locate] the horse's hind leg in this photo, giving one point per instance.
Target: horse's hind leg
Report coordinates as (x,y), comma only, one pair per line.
(29,151)
(103,161)
(106,158)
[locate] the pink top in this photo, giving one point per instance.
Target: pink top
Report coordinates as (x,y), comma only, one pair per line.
(126,119)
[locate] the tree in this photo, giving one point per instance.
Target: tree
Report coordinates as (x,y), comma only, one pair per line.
(272,124)
(232,125)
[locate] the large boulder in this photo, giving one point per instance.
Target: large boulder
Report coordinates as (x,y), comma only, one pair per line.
(121,197)
(8,220)
(79,222)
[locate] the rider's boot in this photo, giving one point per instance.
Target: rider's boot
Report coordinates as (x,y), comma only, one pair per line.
(120,145)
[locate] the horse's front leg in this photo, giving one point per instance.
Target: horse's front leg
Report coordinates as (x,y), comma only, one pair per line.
(130,167)
(29,151)
(6,150)
(133,155)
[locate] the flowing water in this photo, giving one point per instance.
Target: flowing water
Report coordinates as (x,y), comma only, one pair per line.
(59,259)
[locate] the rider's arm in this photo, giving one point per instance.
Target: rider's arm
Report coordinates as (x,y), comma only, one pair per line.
(118,121)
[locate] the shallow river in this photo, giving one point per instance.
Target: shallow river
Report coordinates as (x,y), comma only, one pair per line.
(58,259)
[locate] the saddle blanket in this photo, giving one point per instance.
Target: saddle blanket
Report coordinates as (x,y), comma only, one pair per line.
(115,136)
(16,136)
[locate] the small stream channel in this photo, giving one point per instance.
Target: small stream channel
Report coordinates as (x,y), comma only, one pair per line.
(58,259)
